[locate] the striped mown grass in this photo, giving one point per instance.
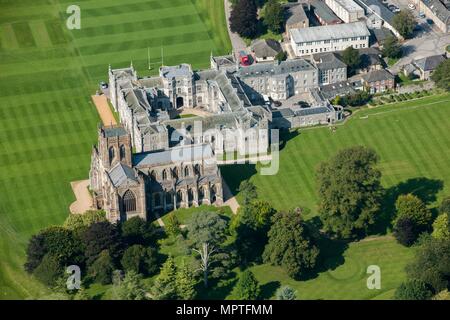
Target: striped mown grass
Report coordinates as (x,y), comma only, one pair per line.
(47,121)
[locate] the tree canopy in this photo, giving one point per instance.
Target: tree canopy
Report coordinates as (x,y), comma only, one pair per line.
(285,293)
(413,290)
(391,47)
(274,16)
(131,287)
(441,227)
(247,287)
(441,76)
(404,22)
(140,259)
(351,57)
(101,236)
(431,264)
(291,244)
(349,191)
(137,231)
(244,18)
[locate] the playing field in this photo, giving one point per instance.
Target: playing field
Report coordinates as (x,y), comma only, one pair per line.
(47,120)
(411,139)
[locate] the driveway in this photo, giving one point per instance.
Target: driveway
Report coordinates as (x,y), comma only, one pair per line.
(431,44)
(236,41)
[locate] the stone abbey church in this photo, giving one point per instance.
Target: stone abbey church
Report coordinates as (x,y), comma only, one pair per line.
(157,160)
(128,185)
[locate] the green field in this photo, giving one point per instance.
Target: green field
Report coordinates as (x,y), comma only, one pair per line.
(47,122)
(411,139)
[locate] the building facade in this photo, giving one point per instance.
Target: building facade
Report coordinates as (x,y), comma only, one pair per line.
(438,11)
(329,38)
(347,10)
(127,185)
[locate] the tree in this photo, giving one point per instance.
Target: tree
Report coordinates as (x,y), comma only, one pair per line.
(101,270)
(404,22)
(274,16)
(350,192)
(351,57)
(251,225)
(206,233)
(81,295)
(391,47)
(164,287)
(405,231)
(431,264)
(172,227)
(185,283)
(356,99)
(441,75)
(281,56)
(244,18)
(137,231)
(411,207)
(139,259)
(441,227)
(60,243)
(130,288)
(443,295)
(247,287)
(413,290)
(248,192)
(285,293)
(291,244)
(49,270)
(445,206)
(101,236)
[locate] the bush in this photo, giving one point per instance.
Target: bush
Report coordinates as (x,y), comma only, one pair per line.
(139,259)
(247,287)
(413,290)
(102,268)
(49,270)
(137,231)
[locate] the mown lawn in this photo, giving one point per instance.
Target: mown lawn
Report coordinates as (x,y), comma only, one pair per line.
(47,122)
(411,139)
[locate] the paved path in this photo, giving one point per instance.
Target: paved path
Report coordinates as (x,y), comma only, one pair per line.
(84,198)
(230,200)
(103,109)
(236,41)
(430,44)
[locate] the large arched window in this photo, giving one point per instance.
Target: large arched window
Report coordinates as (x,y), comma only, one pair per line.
(122,152)
(164,174)
(186,171)
(129,201)
(197,169)
(111,154)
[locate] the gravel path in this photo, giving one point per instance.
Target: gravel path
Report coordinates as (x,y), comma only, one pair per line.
(236,41)
(84,198)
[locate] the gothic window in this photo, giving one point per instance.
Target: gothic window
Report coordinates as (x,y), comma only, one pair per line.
(157,198)
(129,201)
(175,173)
(164,174)
(111,154)
(186,171)
(122,152)
(197,169)
(153,175)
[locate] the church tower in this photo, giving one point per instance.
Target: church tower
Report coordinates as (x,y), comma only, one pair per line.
(114,146)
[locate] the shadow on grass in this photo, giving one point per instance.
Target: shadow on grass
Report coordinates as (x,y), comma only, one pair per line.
(424,188)
(268,290)
(217,290)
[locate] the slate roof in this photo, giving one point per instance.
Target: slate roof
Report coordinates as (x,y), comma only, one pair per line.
(328,60)
(324,12)
(382,34)
(378,8)
(275,68)
(342,88)
(191,152)
(170,72)
(429,63)
(439,9)
(378,75)
(312,110)
(338,31)
(295,14)
(114,131)
(122,173)
(283,113)
(266,48)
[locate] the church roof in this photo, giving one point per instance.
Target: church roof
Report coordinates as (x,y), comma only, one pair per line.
(121,173)
(185,153)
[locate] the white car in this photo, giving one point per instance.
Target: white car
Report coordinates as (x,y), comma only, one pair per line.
(411,6)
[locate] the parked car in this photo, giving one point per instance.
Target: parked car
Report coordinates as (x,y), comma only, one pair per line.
(429,21)
(411,6)
(421,15)
(244,59)
(103,85)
